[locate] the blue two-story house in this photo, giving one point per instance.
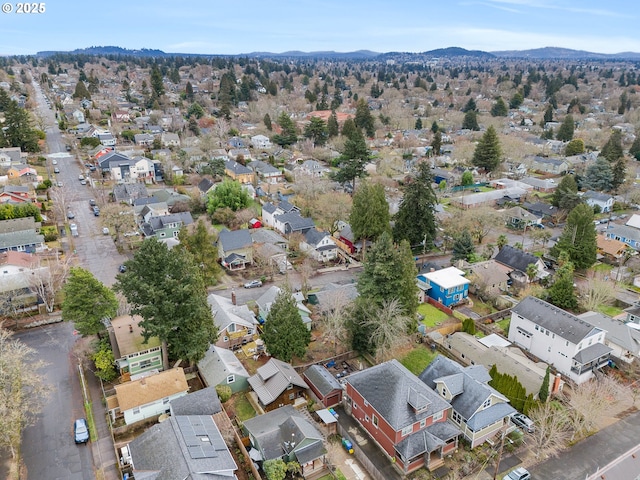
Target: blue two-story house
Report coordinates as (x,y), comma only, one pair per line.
(626,234)
(447,286)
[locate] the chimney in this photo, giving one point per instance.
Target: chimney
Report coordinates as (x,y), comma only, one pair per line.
(556,384)
(233,297)
(130,328)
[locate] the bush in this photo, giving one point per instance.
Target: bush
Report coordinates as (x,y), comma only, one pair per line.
(224,393)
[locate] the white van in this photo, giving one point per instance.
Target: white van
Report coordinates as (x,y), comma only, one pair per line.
(74,229)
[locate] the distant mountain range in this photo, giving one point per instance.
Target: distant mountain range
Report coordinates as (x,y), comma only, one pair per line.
(546,53)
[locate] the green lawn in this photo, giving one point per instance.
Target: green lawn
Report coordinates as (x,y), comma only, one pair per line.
(432,315)
(504,325)
(338,474)
(244,410)
(602,267)
(610,310)
(418,358)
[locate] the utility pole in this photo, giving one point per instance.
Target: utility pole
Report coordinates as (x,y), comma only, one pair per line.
(495,473)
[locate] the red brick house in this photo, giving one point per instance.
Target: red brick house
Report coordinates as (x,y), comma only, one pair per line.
(403,416)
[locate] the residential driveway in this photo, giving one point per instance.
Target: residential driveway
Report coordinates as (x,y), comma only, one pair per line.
(48,447)
(595,452)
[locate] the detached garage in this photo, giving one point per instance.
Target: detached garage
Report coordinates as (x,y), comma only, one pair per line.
(323,385)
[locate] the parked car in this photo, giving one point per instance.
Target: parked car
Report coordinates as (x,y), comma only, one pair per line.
(74,229)
(92,168)
(68,148)
(518,474)
(70,215)
(80,177)
(96,211)
(59,184)
(80,431)
(122,268)
(54,161)
(253,284)
(56,170)
(83,182)
(92,203)
(524,422)
(105,231)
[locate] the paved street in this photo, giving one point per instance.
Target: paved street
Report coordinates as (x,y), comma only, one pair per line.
(48,447)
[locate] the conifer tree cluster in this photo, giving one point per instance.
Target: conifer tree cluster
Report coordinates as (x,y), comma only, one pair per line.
(510,387)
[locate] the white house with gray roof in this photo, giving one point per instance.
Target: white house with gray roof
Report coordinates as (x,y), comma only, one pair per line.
(236,324)
(622,338)
(602,200)
(478,410)
(319,245)
(572,345)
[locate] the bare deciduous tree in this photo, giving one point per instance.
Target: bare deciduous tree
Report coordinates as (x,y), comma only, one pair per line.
(596,290)
(23,390)
(119,218)
(61,199)
(553,429)
(306,271)
(48,277)
(335,317)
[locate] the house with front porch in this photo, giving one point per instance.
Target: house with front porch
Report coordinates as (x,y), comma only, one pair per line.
(404,417)
(238,172)
(519,218)
(447,286)
(478,410)
(319,245)
(21,235)
(624,233)
(133,355)
(237,325)
(166,226)
(235,249)
(572,345)
(284,433)
(597,199)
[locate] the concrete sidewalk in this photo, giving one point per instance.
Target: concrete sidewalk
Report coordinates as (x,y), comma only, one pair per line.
(104,456)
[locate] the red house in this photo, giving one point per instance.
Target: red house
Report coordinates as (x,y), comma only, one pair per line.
(403,416)
(324,385)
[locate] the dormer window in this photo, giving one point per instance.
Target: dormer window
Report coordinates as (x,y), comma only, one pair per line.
(487,403)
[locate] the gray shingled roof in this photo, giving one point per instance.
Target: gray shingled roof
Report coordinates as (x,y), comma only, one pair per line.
(470,395)
(313,237)
(554,319)
(163,449)
(225,313)
(218,363)
(427,440)
(623,231)
(515,258)
(593,195)
(273,378)
(295,221)
(388,387)
(272,429)
(269,207)
(235,239)
(322,379)
(617,332)
(12,240)
(201,402)
(592,352)
(236,167)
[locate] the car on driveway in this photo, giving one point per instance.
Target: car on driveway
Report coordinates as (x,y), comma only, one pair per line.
(518,474)
(92,203)
(524,422)
(96,211)
(70,215)
(80,431)
(253,284)
(80,177)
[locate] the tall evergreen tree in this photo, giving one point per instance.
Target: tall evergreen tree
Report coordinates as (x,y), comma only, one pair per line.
(612,149)
(284,333)
(565,131)
(17,129)
(81,91)
(157,86)
(488,152)
(463,247)
(389,273)
(316,130)
(332,125)
(562,293)
(470,121)
(363,119)
(634,151)
(499,108)
(578,239)
(543,394)
(353,160)
(548,114)
(267,121)
(470,106)
(369,216)
(436,143)
(289,134)
(415,220)
(566,194)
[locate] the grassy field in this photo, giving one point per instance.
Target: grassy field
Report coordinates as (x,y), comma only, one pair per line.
(610,310)
(418,358)
(432,315)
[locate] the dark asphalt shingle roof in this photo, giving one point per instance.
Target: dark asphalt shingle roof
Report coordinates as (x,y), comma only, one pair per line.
(515,258)
(235,239)
(554,319)
(322,379)
(592,352)
(389,386)
(201,402)
(427,440)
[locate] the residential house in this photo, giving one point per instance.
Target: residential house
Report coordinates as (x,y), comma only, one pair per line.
(447,176)
(16,194)
(277,384)
(634,221)
(261,142)
(169,139)
(148,396)
(205,186)
(319,245)
(288,223)
(238,172)
(512,194)
(270,211)
(545,185)
(143,139)
(478,410)
(236,324)
(324,385)
(171,197)
(284,433)
(9,155)
(602,200)
(447,286)
(133,355)
(626,234)
(488,278)
(545,211)
(182,447)
(107,139)
(201,402)
(404,417)
(236,142)
(573,346)
(17,292)
(146,211)
(332,295)
(611,250)
(18,170)
(129,192)
(21,235)
(622,338)
(166,226)
(273,247)
(239,154)
(519,262)
(348,242)
(221,367)
(265,301)
(313,168)
(556,166)
(235,249)
(267,172)
(519,218)
(120,167)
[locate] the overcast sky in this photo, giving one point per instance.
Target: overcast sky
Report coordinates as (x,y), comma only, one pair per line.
(233,27)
